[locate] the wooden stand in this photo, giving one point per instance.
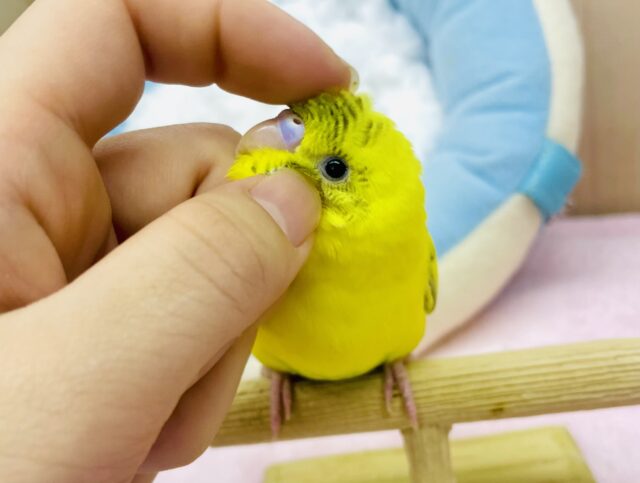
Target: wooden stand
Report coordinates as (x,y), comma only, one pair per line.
(428,454)
(447,391)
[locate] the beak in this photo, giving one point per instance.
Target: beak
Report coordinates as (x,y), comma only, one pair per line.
(283,132)
(263,135)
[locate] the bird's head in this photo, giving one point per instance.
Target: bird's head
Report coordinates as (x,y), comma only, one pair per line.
(363,168)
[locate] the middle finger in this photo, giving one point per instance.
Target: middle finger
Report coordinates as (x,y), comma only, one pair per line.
(148,172)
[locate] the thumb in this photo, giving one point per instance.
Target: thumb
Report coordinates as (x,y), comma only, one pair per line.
(119,346)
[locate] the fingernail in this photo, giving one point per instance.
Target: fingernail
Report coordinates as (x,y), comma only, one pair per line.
(292,203)
(355,79)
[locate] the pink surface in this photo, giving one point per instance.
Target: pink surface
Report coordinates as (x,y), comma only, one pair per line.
(581,282)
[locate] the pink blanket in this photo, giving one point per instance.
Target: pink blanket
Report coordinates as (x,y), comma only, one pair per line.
(581,282)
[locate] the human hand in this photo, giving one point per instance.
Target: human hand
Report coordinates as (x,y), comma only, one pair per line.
(117,365)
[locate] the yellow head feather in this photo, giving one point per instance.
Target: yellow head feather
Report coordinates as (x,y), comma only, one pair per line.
(382,187)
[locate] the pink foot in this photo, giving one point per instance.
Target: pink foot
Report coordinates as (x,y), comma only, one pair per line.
(395,373)
(286,396)
(388,387)
(280,399)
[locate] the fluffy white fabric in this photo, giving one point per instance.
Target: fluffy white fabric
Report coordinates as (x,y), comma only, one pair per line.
(377,40)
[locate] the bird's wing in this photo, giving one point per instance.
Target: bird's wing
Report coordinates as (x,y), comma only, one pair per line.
(431,295)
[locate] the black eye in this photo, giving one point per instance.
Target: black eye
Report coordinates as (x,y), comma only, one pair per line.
(334,168)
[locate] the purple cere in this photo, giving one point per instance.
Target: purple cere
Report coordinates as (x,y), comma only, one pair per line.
(291,128)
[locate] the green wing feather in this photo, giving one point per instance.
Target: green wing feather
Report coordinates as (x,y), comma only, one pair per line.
(431,295)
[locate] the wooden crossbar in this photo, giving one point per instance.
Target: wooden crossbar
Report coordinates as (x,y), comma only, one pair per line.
(450,390)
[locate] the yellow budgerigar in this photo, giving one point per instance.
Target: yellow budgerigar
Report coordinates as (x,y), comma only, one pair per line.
(360,300)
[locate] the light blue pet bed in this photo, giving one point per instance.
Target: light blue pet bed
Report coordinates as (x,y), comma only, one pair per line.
(508,74)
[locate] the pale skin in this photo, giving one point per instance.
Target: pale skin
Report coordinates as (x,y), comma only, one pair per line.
(129,304)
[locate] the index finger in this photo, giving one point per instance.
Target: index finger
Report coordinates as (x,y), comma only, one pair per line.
(86,60)
(74,69)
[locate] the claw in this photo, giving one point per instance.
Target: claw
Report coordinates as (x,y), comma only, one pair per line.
(396,373)
(274,409)
(280,400)
(286,396)
(388,387)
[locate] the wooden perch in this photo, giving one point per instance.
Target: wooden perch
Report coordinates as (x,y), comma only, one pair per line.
(502,385)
